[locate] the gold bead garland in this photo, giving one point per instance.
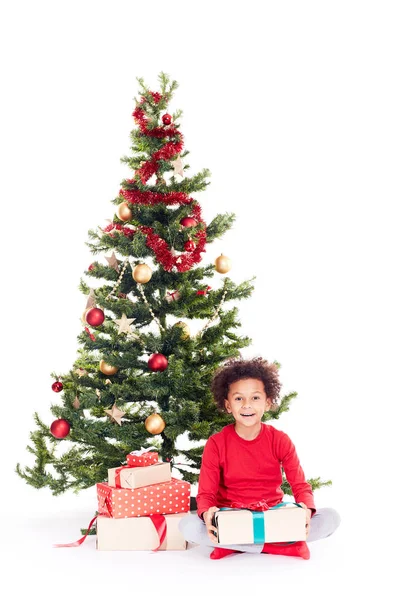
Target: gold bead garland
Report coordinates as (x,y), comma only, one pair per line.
(116,285)
(140,288)
(214,316)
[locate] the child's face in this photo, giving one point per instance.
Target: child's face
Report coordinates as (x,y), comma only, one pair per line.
(247,401)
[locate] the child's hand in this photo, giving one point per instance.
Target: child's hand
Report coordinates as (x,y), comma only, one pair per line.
(207,516)
(308,517)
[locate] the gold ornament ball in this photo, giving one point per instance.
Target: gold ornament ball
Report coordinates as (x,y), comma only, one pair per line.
(185,329)
(142,273)
(223,264)
(124,212)
(154,424)
(107,369)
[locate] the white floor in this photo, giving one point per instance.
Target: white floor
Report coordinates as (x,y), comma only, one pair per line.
(341,565)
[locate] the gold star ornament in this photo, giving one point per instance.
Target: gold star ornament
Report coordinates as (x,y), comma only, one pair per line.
(91,300)
(113,262)
(115,414)
(178,166)
(124,324)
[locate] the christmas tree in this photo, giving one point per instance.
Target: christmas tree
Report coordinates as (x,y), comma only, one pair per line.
(141,377)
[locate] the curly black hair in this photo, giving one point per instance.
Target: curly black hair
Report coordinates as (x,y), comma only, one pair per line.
(236,369)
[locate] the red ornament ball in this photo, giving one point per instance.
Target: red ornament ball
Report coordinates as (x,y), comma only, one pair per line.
(91,267)
(166,119)
(60,428)
(158,362)
(95,317)
(57,386)
(188,222)
(189,246)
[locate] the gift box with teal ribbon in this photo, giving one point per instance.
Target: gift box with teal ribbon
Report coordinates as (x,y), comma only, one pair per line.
(285,522)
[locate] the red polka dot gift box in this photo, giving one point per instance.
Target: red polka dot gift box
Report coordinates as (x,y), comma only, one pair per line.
(141,458)
(171,497)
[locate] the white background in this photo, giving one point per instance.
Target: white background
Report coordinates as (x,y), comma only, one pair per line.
(294,107)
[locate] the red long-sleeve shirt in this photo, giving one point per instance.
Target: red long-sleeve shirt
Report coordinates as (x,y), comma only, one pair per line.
(246,471)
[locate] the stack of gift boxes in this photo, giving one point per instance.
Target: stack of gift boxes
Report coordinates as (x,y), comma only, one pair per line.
(141,506)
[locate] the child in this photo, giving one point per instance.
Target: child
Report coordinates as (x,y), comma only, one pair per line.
(241,464)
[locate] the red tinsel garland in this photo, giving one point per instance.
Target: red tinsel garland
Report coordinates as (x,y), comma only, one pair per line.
(127,231)
(138,197)
(156,97)
(169,150)
(182,262)
(163,254)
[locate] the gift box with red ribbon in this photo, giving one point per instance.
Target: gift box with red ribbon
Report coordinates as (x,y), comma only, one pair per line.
(136,477)
(141,458)
(159,532)
(162,498)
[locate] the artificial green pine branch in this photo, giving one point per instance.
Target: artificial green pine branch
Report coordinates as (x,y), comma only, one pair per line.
(315,483)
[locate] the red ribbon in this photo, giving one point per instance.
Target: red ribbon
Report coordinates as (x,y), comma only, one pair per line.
(160,524)
(107,505)
(78,542)
(171,295)
(261,505)
(158,521)
(118,475)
